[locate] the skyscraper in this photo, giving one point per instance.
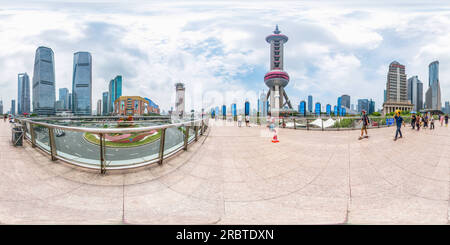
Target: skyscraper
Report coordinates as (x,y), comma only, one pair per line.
(371,107)
(70,102)
(179,100)
(64,97)
(44,82)
(1,106)
(276,79)
(415,92)
(345,101)
(105,103)
(363,104)
(82,84)
(99,107)
(23,94)
(13,107)
(114,92)
(396,89)
(310,103)
(433,94)
(262,104)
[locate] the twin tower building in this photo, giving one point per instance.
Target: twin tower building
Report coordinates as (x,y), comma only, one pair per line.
(43,84)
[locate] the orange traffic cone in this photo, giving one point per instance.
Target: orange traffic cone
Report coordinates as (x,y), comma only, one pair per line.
(275,138)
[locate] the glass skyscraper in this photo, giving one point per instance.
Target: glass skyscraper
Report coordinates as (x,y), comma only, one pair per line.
(23,94)
(345,101)
(70,101)
(105,103)
(415,92)
(115,91)
(82,84)
(64,97)
(433,94)
(44,82)
(13,107)
(310,103)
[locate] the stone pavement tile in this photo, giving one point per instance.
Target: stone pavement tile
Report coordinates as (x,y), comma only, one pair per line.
(392,210)
(187,185)
(282,213)
(45,212)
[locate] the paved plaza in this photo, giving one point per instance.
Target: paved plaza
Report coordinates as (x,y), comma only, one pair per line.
(237,176)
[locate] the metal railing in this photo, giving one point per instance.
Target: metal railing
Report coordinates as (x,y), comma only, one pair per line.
(323,123)
(96,147)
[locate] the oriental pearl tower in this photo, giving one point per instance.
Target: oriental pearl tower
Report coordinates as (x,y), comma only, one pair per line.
(276,79)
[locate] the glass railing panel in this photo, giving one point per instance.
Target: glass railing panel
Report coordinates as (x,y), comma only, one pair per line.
(27,134)
(42,139)
(174,139)
(78,146)
(132,148)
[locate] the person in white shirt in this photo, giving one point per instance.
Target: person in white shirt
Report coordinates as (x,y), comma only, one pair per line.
(247,121)
(239,120)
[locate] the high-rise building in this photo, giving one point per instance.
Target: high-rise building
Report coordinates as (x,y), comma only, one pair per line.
(363,104)
(352,107)
(82,84)
(64,98)
(371,106)
(433,94)
(44,82)
(447,107)
(415,92)
(99,107)
(385,97)
(262,104)
(276,79)
(114,92)
(310,103)
(1,107)
(179,100)
(105,103)
(70,102)
(345,101)
(23,95)
(396,89)
(13,107)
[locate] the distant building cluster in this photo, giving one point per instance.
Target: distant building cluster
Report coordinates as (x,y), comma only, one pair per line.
(77,102)
(408,95)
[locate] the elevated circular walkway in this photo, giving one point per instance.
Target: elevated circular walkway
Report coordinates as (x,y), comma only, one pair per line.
(237,176)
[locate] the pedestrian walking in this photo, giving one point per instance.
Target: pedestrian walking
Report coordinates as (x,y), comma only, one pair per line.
(240,120)
(365,123)
(425,121)
(446,120)
(398,121)
(431,123)
(418,119)
(4,118)
(413,121)
(441,119)
(247,120)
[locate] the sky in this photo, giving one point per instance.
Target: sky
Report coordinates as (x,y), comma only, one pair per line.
(218,48)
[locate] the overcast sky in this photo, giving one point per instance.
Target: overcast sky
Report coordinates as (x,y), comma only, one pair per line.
(218,49)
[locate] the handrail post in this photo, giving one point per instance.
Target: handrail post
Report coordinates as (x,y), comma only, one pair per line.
(186,137)
(33,136)
(201,128)
(51,136)
(102,155)
(196,132)
(161,145)
(307,125)
(295,126)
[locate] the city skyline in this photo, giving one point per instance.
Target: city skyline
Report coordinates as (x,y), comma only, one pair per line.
(321,61)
